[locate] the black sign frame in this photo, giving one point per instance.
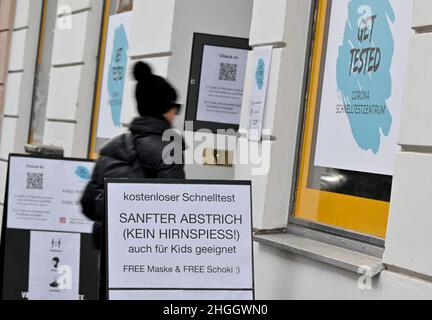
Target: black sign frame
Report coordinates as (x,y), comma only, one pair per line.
(199,41)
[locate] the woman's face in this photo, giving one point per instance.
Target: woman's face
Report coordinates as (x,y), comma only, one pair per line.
(171,114)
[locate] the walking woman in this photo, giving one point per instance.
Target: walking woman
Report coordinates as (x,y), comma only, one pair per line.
(139,153)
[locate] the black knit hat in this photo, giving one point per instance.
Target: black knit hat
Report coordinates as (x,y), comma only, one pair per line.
(154,95)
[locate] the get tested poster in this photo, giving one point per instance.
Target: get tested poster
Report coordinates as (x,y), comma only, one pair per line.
(363,85)
(114,76)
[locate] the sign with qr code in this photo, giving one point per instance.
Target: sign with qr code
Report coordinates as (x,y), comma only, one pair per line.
(47,250)
(44,194)
(222,84)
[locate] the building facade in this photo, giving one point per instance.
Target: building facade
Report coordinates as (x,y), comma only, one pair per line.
(321,232)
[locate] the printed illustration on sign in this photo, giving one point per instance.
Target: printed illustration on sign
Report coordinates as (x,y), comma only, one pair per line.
(363,71)
(116,77)
(54,266)
(260,72)
(362,81)
(83,173)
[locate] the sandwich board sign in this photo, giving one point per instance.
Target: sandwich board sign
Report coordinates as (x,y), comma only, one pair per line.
(46,249)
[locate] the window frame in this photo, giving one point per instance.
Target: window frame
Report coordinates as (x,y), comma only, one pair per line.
(38,63)
(92,153)
(314,55)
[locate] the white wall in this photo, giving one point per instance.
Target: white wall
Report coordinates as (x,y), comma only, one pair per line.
(152,24)
(285,25)
(295,277)
(408,235)
(19,90)
(7,15)
(72,80)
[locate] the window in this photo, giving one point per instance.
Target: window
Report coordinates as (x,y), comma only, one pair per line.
(355,95)
(111,77)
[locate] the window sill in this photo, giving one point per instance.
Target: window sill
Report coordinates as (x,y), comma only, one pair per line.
(359,263)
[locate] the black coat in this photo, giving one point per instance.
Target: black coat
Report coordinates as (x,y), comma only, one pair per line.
(137,155)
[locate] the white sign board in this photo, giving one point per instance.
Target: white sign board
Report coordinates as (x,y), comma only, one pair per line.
(222,84)
(114,76)
(261,62)
(185,240)
(44,194)
(54,266)
(363,85)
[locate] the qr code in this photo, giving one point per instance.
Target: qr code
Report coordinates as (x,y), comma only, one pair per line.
(228,72)
(34,181)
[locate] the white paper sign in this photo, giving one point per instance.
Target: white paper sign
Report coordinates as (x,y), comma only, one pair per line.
(363,85)
(261,62)
(114,76)
(174,238)
(222,85)
(189,295)
(44,194)
(54,266)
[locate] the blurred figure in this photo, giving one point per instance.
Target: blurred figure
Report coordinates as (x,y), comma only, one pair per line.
(137,154)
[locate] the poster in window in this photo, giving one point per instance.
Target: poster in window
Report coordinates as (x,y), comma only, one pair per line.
(114,76)
(363,84)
